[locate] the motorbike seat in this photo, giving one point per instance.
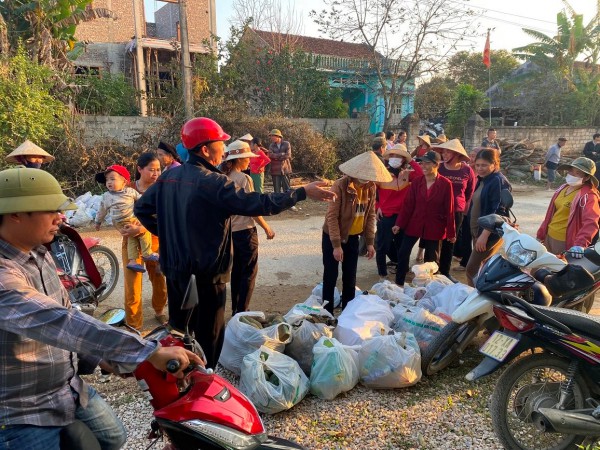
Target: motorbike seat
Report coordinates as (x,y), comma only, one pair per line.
(583,323)
(590,262)
(571,280)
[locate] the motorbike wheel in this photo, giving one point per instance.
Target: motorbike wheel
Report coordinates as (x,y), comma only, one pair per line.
(108,266)
(530,383)
(443,350)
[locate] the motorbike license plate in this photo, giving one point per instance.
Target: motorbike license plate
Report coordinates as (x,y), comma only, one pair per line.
(498,346)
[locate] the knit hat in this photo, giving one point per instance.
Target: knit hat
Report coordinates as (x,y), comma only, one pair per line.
(101,177)
(425,138)
(239,149)
(453,145)
(398,150)
(366,166)
(28,148)
(276,132)
(584,164)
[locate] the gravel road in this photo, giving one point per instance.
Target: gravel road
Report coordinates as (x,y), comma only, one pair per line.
(444,411)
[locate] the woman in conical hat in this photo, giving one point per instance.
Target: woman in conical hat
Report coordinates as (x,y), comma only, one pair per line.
(423,147)
(352,214)
(455,168)
(29,155)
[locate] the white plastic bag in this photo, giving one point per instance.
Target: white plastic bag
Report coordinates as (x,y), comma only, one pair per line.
(364,317)
(242,339)
(334,369)
(337,296)
(272,381)
(390,362)
(80,218)
(446,301)
(305,335)
(423,273)
(301,311)
(415,292)
(424,325)
(392,293)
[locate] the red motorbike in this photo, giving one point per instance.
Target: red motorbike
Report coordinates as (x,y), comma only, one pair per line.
(89,271)
(202,410)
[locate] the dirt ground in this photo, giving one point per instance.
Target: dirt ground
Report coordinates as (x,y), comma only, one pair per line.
(290,265)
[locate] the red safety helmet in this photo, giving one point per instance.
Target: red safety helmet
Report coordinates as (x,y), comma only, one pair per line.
(201,130)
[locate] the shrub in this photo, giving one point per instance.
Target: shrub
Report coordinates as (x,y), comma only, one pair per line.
(109,95)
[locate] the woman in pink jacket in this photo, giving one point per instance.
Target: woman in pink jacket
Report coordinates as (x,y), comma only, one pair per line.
(572,218)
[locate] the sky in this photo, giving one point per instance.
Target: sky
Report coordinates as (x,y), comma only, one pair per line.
(505,17)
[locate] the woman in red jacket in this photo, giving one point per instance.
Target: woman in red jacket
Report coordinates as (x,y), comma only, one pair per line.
(427,214)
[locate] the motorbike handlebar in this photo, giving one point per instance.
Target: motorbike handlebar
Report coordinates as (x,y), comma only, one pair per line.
(174,365)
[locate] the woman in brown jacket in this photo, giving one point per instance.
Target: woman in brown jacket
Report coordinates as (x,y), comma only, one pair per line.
(350,215)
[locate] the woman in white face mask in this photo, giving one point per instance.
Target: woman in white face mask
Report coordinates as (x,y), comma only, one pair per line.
(572,218)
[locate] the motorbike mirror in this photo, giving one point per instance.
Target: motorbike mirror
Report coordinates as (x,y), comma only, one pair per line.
(506,199)
(190,299)
(114,317)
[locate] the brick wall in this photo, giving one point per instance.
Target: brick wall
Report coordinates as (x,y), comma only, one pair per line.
(338,127)
(122,29)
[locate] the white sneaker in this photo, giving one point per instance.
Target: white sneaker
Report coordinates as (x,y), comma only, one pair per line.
(293,208)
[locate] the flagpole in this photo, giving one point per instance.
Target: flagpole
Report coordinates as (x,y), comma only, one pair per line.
(489,85)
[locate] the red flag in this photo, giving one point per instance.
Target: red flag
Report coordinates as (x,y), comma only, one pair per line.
(486,52)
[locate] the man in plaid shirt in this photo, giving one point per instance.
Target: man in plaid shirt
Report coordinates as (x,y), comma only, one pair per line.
(41,336)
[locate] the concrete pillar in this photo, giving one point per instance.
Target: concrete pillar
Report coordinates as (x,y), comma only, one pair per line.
(411,124)
(474,132)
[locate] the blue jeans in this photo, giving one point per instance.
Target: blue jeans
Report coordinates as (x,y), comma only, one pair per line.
(98,416)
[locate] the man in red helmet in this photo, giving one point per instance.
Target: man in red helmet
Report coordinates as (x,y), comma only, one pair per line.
(189,208)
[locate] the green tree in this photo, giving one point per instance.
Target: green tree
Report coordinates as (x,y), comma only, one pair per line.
(466,101)
(468,68)
(433,98)
(27,108)
(110,95)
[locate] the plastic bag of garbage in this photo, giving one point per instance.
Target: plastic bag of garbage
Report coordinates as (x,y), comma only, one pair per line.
(242,339)
(423,273)
(80,219)
(415,292)
(337,296)
(334,369)
(433,288)
(305,335)
(305,310)
(272,381)
(364,317)
(392,293)
(423,324)
(447,300)
(389,362)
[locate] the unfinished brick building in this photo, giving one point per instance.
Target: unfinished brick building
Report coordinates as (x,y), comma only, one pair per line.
(111,44)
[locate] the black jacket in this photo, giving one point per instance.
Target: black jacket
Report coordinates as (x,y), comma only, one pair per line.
(592,151)
(189,208)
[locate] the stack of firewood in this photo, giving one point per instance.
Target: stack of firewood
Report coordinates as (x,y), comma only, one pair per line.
(519,158)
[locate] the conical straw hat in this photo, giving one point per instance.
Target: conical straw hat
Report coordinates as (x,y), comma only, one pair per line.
(398,150)
(366,166)
(425,138)
(28,148)
(453,145)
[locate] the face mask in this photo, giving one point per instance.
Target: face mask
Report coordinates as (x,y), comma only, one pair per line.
(32,165)
(395,162)
(572,180)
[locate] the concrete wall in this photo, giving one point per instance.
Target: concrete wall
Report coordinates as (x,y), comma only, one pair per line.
(338,127)
(476,129)
(110,57)
(121,129)
(166,19)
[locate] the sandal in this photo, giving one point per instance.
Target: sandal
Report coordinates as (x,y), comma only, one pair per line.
(161,318)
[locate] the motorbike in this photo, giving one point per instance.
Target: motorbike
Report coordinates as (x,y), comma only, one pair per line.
(549,399)
(202,410)
(513,273)
(89,271)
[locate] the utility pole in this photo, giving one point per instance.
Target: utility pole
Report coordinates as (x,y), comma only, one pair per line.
(139,57)
(186,63)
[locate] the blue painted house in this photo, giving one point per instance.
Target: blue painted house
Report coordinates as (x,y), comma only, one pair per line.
(349,67)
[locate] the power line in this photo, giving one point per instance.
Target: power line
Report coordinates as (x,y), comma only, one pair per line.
(501,12)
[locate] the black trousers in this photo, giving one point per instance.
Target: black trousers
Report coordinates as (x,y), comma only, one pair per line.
(208,318)
(432,253)
(448,247)
(331,268)
(386,244)
(244,270)
(464,245)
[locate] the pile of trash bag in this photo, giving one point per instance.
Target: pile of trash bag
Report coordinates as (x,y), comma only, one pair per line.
(85,214)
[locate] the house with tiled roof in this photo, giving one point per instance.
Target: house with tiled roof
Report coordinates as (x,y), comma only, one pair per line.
(350,66)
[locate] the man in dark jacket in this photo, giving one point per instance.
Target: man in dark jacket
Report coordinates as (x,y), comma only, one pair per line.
(592,149)
(189,208)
